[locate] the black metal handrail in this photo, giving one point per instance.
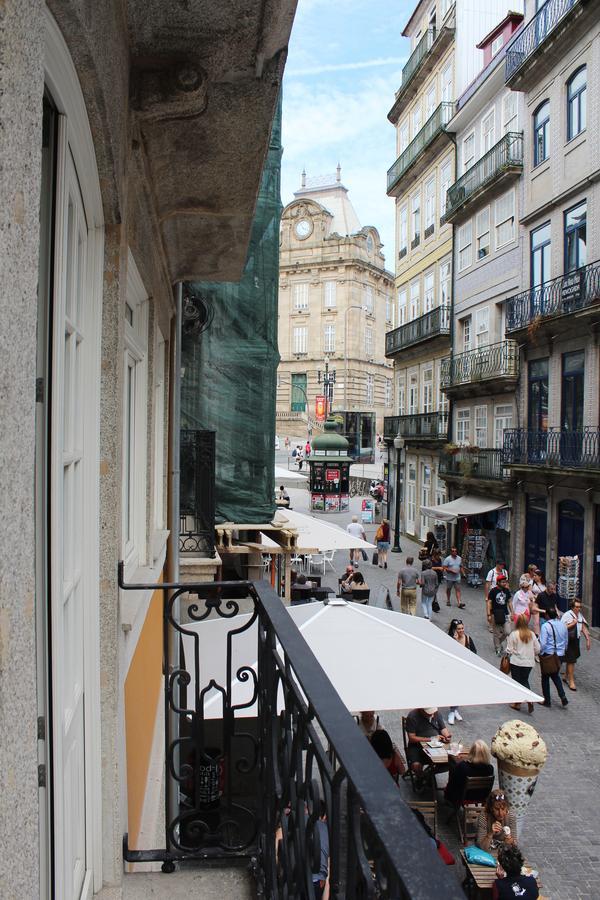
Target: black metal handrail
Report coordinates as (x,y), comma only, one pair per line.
(535,33)
(257,786)
(506,154)
(432,426)
(554,447)
(481,364)
(473,462)
(415,59)
(434,323)
(434,125)
(197,492)
(559,297)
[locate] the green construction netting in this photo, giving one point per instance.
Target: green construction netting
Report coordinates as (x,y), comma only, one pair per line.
(230,359)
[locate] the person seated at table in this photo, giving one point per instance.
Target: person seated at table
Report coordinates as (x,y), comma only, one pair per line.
(355,580)
(497,825)
(283,494)
(368,722)
(302,581)
(389,755)
(344,581)
(510,883)
(421,726)
(478,764)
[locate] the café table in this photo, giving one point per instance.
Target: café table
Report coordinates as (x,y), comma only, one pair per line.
(441,759)
(479,880)
(302,593)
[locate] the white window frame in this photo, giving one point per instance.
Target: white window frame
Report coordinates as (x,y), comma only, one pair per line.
(429,105)
(401,395)
(480,415)
(300,339)
(482,326)
(430,202)
(503,217)
(415,215)
(447,83)
(429,290)
(403,237)
(402,305)
(330,294)
(427,385)
(329,339)
(388,399)
(160,432)
(467,333)
(488,134)
(512,123)
(300,292)
(368,341)
(463,426)
(497,44)
(482,233)
(135,421)
(468,151)
(403,136)
(389,310)
(369,303)
(413,393)
(417,119)
(445,182)
(415,300)
(503,419)
(465,246)
(446,282)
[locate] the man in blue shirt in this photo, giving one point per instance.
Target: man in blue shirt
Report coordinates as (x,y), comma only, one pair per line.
(553,639)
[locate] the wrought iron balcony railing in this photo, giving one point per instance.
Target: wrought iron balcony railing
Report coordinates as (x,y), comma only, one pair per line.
(253,777)
(434,125)
(432,426)
(413,63)
(505,156)
(433,324)
(482,364)
(473,462)
(559,297)
(553,448)
(535,33)
(197,492)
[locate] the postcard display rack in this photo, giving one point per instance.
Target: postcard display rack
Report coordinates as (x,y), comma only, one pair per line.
(568,577)
(475,546)
(441,536)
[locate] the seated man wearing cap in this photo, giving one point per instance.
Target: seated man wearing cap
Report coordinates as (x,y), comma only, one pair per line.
(421,726)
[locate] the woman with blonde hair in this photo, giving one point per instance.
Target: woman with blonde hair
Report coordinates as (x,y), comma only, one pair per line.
(478,764)
(522,648)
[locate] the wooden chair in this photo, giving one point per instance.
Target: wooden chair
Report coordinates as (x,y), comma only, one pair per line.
(409,772)
(475,793)
(428,809)
(361,595)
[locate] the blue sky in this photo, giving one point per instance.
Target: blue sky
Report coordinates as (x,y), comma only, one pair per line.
(343,68)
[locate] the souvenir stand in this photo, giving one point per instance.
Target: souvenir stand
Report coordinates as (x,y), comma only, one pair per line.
(474,548)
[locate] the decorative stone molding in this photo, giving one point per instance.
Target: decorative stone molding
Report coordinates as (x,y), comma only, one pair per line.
(168,89)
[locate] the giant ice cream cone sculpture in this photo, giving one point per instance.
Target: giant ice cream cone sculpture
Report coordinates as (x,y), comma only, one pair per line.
(521,755)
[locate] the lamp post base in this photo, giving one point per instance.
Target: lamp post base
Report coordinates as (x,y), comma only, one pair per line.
(396,549)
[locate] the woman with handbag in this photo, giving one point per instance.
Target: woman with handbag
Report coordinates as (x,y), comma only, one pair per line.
(382,539)
(457,631)
(576,626)
(554,638)
(522,648)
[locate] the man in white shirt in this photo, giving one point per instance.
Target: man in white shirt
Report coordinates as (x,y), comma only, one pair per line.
(491,579)
(356,530)
(453,569)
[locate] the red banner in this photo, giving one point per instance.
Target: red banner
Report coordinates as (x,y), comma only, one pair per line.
(320,408)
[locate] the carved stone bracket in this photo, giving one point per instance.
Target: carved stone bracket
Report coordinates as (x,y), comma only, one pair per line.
(168,89)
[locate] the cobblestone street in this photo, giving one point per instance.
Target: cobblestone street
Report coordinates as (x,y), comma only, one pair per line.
(561,837)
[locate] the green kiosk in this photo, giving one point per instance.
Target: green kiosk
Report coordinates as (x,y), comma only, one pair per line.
(330,471)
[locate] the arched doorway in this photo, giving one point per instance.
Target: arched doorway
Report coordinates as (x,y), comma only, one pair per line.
(570,536)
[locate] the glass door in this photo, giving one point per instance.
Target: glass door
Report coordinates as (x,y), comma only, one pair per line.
(571,420)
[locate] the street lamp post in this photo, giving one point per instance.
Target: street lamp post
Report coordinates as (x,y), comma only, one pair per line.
(328,380)
(399,447)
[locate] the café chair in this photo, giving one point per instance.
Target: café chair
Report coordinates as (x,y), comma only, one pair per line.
(317,561)
(361,595)
(428,809)
(475,793)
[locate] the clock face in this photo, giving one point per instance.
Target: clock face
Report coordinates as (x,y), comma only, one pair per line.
(303,228)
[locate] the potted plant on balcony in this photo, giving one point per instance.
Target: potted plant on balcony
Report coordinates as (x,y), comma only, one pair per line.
(451,449)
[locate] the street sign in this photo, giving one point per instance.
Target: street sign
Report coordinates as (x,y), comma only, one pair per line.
(320,408)
(332,475)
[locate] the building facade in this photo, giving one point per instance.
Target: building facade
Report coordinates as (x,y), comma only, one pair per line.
(484,205)
(554,62)
(115,187)
(444,60)
(335,304)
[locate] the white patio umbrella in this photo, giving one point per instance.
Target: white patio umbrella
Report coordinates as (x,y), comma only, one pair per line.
(314,532)
(375,659)
(282,475)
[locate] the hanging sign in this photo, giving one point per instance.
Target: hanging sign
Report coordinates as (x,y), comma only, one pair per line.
(320,408)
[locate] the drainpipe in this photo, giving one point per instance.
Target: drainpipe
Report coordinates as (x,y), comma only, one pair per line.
(172,566)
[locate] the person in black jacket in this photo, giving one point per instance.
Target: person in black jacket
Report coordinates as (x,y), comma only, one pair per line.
(457,631)
(478,764)
(510,883)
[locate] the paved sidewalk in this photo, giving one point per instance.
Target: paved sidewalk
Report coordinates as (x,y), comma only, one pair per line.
(561,836)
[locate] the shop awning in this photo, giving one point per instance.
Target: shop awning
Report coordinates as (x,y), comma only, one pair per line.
(463,507)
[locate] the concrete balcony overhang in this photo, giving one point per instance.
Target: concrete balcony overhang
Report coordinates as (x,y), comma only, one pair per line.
(420,63)
(432,328)
(493,369)
(204,84)
(486,179)
(548,36)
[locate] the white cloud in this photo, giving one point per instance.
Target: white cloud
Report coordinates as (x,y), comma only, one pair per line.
(342,67)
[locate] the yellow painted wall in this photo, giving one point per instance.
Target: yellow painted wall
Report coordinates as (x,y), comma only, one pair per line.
(142,696)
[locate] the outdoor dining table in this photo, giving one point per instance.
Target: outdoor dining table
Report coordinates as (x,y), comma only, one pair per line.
(301,593)
(480,879)
(441,757)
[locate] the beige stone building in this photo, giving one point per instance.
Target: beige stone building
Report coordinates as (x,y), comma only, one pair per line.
(335,304)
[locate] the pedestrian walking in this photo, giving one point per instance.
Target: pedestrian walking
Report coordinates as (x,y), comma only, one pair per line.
(382,539)
(453,569)
(356,529)
(300,458)
(576,626)
(307,450)
(523,599)
(554,638)
(457,631)
(406,587)
(499,612)
(429,584)
(522,648)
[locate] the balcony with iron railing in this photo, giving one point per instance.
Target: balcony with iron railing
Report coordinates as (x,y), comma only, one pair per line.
(258,746)
(483,463)
(505,159)
(421,149)
(554,448)
(416,427)
(197,500)
(576,292)
(490,369)
(427,52)
(533,46)
(432,326)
